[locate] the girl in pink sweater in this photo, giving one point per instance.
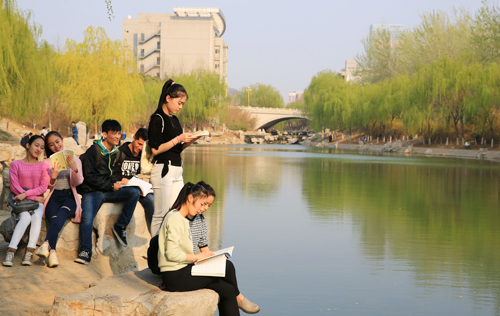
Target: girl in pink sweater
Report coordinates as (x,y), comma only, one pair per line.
(31,174)
(63,201)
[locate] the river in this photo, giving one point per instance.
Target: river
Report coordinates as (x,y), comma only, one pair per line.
(327,232)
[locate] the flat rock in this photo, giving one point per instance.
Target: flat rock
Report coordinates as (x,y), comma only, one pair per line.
(134,293)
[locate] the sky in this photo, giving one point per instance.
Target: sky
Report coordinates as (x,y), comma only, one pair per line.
(283,44)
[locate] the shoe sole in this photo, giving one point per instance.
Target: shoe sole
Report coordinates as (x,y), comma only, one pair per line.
(42,255)
(81,261)
(26,263)
(118,237)
(7,264)
(53,266)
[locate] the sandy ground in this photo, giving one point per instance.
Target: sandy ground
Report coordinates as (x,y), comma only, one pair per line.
(30,290)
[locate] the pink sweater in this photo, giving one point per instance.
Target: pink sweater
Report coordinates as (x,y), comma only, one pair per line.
(33,176)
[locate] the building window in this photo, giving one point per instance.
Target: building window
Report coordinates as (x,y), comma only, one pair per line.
(142,68)
(225,67)
(157,60)
(217,51)
(157,75)
(216,66)
(157,45)
(142,52)
(142,37)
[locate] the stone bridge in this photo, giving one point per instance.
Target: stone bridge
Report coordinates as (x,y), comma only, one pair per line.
(267,117)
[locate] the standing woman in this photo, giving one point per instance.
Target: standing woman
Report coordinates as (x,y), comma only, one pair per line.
(175,256)
(63,201)
(33,175)
(167,141)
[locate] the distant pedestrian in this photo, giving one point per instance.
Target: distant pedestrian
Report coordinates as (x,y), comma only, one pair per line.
(74,130)
(44,132)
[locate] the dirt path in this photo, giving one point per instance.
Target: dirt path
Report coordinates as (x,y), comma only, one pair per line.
(30,290)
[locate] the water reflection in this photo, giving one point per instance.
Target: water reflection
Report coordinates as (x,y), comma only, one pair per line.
(433,224)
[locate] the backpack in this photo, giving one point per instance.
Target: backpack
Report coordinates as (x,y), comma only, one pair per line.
(153,255)
(147,154)
(98,155)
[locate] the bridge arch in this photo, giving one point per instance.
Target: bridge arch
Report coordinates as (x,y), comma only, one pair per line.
(274,122)
(267,117)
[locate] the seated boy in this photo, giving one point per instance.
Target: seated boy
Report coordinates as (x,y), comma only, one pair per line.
(129,165)
(100,186)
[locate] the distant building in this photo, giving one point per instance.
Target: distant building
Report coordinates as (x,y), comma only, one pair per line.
(295,96)
(394,30)
(169,44)
(350,69)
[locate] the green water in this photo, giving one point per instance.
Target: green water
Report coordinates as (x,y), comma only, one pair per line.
(320,231)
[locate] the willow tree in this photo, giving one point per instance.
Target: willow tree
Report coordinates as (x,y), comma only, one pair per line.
(98,80)
(261,95)
(486,34)
(26,71)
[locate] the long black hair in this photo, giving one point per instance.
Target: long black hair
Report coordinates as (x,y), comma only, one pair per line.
(210,190)
(196,190)
(172,89)
(49,152)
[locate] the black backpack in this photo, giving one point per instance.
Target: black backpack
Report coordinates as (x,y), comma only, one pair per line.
(153,255)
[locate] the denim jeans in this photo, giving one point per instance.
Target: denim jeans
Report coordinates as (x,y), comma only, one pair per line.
(91,202)
(148,203)
(61,206)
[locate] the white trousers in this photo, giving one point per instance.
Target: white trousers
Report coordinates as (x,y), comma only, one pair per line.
(24,220)
(166,190)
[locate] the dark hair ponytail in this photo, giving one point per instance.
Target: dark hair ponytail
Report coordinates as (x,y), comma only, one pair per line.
(33,138)
(172,89)
(196,190)
(210,190)
(48,151)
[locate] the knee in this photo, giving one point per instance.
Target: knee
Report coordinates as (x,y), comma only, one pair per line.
(134,193)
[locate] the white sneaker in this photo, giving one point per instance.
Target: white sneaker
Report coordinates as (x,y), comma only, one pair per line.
(27,256)
(9,257)
(43,251)
(53,262)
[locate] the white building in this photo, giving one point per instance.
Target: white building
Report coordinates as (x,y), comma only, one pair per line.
(169,44)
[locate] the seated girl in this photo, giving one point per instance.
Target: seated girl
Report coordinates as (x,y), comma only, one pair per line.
(63,201)
(31,174)
(176,258)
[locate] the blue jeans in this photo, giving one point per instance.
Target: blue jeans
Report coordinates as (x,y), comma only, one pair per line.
(75,137)
(91,202)
(61,206)
(148,203)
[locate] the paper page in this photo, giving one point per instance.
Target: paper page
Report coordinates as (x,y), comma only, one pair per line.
(59,157)
(68,152)
(215,267)
(228,251)
(201,133)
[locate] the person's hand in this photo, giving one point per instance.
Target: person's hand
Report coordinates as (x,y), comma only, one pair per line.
(20,197)
(40,199)
(187,137)
(117,186)
(124,181)
(71,163)
(55,170)
(203,255)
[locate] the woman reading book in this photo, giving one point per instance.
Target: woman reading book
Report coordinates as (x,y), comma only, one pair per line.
(28,180)
(63,201)
(176,257)
(198,226)
(167,141)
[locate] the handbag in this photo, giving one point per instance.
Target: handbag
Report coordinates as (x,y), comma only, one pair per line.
(23,205)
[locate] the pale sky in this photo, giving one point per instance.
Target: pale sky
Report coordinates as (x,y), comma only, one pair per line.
(280,43)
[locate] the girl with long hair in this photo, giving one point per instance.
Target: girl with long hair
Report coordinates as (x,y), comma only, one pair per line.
(176,257)
(167,141)
(28,180)
(63,201)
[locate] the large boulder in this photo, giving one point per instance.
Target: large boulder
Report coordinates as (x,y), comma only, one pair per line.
(134,293)
(70,143)
(106,249)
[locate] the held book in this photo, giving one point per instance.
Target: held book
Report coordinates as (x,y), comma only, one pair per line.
(144,186)
(214,265)
(200,133)
(60,157)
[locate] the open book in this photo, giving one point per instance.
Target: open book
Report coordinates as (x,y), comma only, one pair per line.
(144,186)
(60,157)
(201,133)
(214,265)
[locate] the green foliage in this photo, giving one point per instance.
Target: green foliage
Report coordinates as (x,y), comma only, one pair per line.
(97,80)
(261,95)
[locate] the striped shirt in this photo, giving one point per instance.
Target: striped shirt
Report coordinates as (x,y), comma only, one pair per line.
(199,232)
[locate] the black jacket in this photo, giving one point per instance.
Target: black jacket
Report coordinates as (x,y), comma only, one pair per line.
(97,177)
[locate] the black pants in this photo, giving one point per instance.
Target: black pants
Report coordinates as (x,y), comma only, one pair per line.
(227,287)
